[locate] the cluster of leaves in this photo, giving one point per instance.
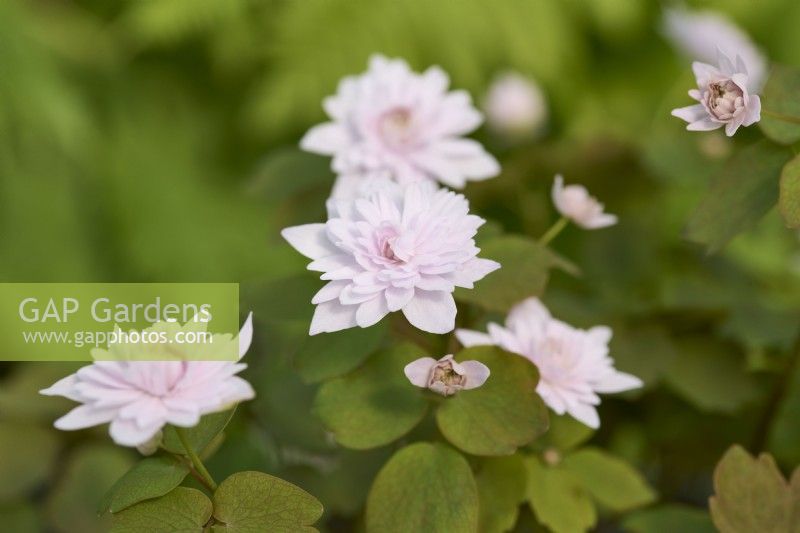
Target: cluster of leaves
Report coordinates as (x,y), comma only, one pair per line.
(128,130)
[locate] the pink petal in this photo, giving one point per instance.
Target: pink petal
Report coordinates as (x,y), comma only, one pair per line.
(419,371)
(477,373)
(332,316)
(327,139)
(434,312)
(311,240)
(468,337)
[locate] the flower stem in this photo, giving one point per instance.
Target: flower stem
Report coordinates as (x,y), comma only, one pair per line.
(554,230)
(198,464)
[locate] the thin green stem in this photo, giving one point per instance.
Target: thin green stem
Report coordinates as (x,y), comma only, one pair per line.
(554,230)
(198,464)
(781,116)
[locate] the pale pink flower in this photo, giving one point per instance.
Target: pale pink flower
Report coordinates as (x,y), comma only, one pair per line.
(575,203)
(139,398)
(699,34)
(515,105)
(446,376)
(723,96)
(573,363)
(398,249)
(391,121)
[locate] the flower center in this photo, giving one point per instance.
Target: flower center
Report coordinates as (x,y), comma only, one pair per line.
(390,244)
(445,374)
(396,128)
(724,98)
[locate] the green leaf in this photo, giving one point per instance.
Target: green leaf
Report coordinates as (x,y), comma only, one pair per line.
(199,436)
(750,494)
(524,272)
(789,199)
(502,483)
(183,510)
(149,478)
(423,487)
(253,502)
(669,519)
(330,355)
(27,465)
(610,480)
(784,433)
(90,470)
(740,194)
(565,433)
(20,517)
(557,498)
(375,404)
(500,416)
(780,113)
(707,375)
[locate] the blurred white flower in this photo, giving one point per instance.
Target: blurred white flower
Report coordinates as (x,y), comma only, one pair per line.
(139,398)
(573,363)
(699,34)
(515,105)
(575,203)
(723,96)
(398,249)
(392,121)
(446,376)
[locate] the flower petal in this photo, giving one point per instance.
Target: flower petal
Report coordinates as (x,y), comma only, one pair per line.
(327,139)
(477,373)
(431,311)
(311,240)
(246,335)
(371,311)
(84,416)
(468,337)
(419,371)
(618,382)
(332,316)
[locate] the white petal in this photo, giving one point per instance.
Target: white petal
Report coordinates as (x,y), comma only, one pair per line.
(419,371)
(705,124)
(327,139)
(246,335)
(468,337)
(371,311)
(474,270)
(84,416)
(690,113)
(618,382)
(731,127)
(311,240)
(64,387)
(332,316)
(753,110)
(330,291)
(585,413)
(434,312)
(125,432)
(602,220)
(477,374)
(397,297)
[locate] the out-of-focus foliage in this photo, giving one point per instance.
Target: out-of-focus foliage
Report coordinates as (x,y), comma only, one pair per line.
(154,140)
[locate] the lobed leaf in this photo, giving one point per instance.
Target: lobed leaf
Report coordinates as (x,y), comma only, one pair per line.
(750,494)
(375,404)
(740,194)
(780,114)
(149,478)
(183,510)
(557,498)
(329,355)
(610,480)
(502,484)
(501,415)
(423,487)
(789,198)
(254,502)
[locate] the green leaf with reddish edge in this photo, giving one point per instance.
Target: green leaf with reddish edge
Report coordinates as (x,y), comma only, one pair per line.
(740,194)
(750,494)
(183,510)
(329,355)
(375,404)
(610,480)
(254,502)
(502,414)
(557,498)
(780,106)
(502,483)
(423,487)
(789,199)
(149,478)
(199,436)
(525,266)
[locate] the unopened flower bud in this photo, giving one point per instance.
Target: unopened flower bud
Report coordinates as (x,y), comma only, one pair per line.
(446,376)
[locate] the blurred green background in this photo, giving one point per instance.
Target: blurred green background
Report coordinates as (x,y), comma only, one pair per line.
(156,140)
